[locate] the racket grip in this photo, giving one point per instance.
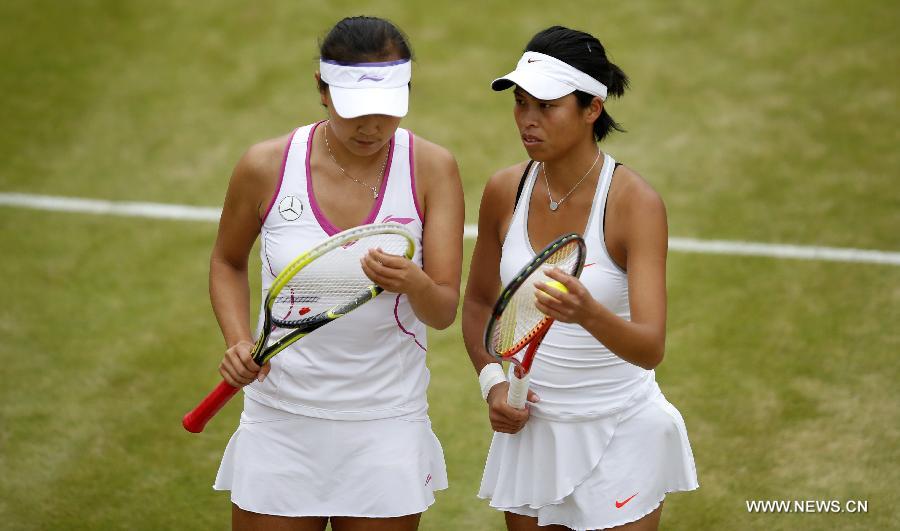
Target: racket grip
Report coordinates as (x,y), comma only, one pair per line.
(518,390)
(196,419)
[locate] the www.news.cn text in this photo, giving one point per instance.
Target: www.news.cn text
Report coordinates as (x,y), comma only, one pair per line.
(807,506)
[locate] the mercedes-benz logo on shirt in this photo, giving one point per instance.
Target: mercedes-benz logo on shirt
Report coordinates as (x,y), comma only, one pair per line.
(290,208)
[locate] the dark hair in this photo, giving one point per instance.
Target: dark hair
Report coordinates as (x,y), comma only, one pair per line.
(363,40)
(584,52)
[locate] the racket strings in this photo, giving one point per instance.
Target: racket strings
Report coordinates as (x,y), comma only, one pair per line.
(521,320)
(331,280)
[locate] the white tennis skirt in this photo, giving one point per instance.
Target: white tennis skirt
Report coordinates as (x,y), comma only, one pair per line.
(592,474)
(284,464)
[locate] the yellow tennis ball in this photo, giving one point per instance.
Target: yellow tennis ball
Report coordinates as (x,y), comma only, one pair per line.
(558,285)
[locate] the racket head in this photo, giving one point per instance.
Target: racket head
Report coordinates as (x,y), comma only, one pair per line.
(326,282)
(515,320)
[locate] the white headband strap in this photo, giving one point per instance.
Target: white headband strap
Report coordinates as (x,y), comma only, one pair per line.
(391,74)
(562,72)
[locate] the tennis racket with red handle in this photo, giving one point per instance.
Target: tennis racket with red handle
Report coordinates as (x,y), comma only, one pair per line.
(516,322)
(319,286)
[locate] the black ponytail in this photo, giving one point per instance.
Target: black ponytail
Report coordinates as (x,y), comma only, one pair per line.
(584,52)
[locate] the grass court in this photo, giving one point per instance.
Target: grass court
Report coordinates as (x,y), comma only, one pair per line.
(762,122)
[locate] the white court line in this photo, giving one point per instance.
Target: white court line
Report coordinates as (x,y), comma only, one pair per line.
(689,245)
(112,208)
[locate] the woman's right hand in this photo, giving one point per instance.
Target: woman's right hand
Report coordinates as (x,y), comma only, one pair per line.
(238,368)
(505,418)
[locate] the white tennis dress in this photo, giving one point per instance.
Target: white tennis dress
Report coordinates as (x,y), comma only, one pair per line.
(602,446)
(339,427)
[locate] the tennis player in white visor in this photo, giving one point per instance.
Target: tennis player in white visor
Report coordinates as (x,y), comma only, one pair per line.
(597,446)
(335,430)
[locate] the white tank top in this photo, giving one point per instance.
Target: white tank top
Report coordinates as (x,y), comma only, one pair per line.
(369,364)
(575,375)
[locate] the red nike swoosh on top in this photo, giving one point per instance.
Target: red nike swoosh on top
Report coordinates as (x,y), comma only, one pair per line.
(619,504)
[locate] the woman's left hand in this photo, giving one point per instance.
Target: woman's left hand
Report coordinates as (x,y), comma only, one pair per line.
(572,307)
(397,274)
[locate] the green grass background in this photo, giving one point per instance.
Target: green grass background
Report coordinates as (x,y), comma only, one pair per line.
(773,122)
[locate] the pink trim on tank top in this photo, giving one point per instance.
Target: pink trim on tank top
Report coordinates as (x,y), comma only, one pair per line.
(402,329)
(412,179)
(284,158)
(326,225)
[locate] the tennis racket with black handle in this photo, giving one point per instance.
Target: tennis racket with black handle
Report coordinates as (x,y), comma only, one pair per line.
(319,286)
(516,322)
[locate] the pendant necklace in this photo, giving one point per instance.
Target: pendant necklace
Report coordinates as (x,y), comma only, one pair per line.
(352,178)
(554,205)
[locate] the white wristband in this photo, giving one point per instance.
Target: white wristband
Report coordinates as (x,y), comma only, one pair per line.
(490,375)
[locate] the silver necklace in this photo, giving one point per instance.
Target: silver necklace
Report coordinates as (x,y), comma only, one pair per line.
(352,178)
(554,205)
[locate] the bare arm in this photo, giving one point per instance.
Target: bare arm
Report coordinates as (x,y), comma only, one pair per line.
(251,185)
(484,277)
(641,340)
(433,289)
(483,287)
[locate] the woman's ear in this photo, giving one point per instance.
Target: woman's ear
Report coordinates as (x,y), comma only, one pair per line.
(322,91)
(594,110)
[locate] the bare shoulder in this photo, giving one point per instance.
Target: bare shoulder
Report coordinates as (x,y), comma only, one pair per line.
(262,161)
(633,195)
(433,159)
(255,176)
(499,200)
(504,183)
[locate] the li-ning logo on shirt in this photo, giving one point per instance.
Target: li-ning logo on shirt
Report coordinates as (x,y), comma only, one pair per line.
(370,78)
(290,208)
(391,219)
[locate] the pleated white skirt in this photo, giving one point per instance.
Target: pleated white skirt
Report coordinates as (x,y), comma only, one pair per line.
(592,474)
(283,464)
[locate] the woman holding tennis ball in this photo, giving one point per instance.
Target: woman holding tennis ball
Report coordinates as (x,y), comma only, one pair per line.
(597,446)
(335,428)
(557,285)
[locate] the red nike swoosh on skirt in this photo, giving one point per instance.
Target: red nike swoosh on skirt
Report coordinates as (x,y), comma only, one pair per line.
(621,504)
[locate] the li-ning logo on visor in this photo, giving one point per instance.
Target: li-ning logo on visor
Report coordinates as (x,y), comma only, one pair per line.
(369,77)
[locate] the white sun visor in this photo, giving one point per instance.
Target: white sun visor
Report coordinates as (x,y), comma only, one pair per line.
(358,89)
(548,78)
